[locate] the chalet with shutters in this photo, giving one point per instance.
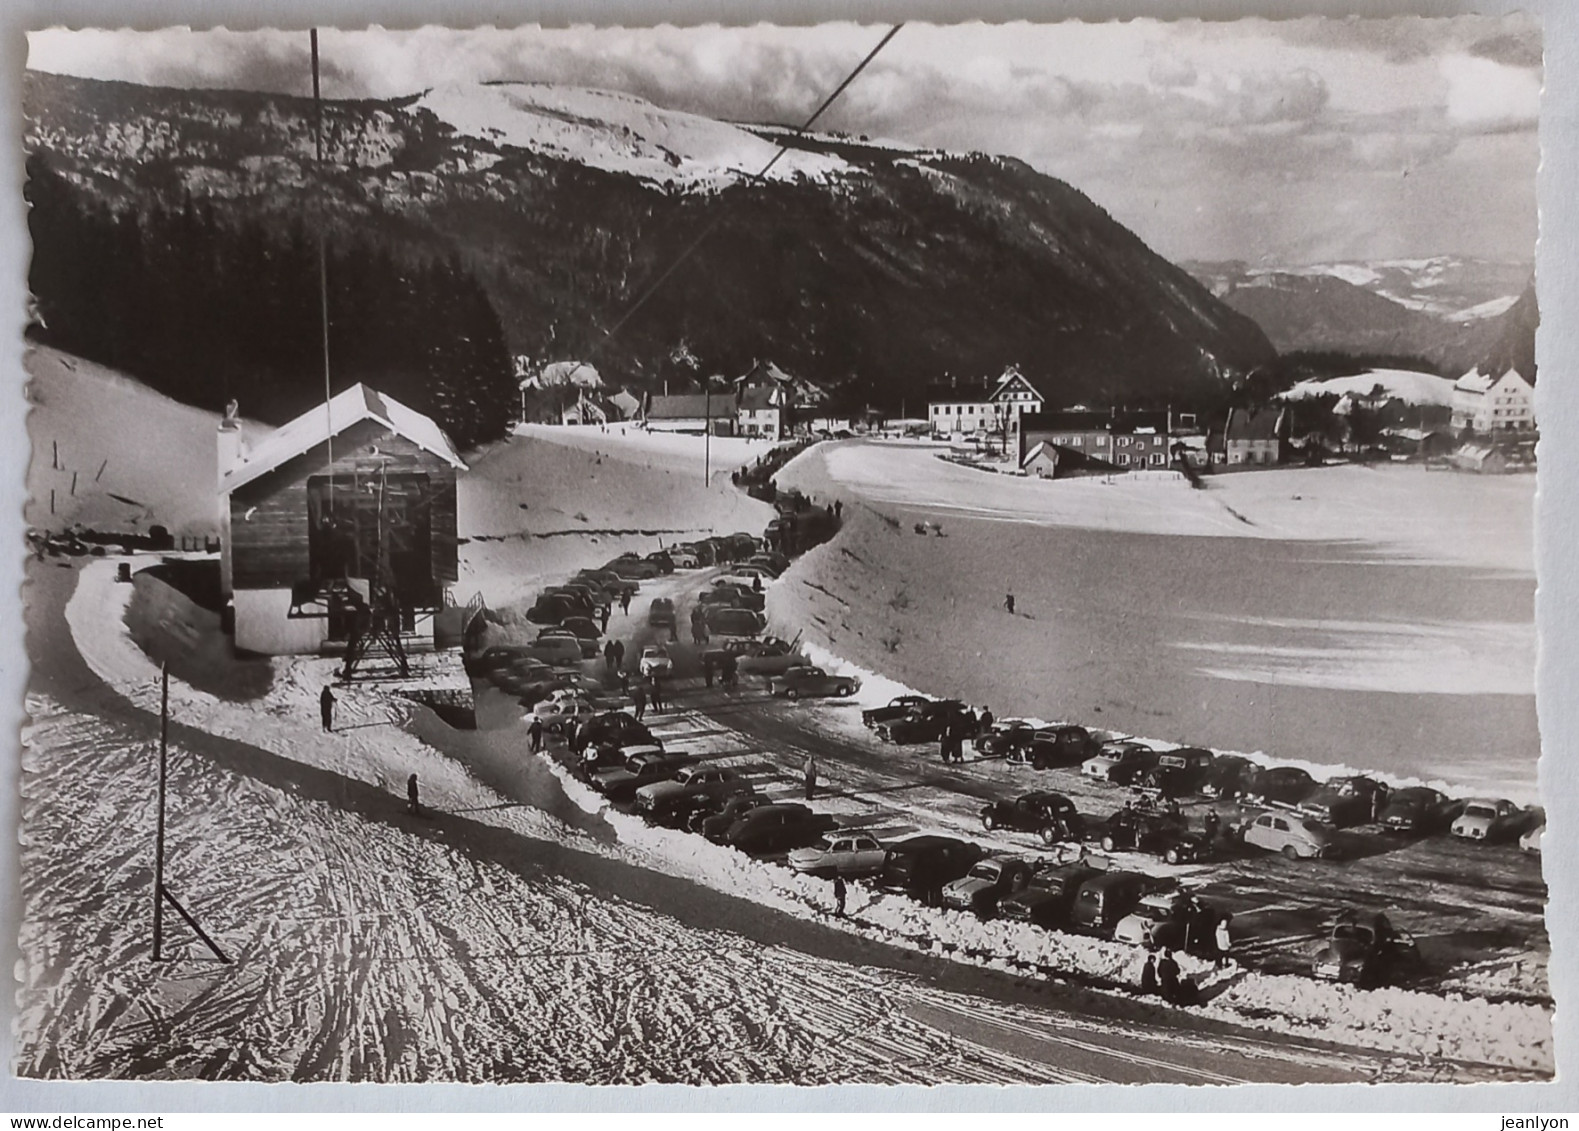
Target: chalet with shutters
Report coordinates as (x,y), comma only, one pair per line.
(1484,404)
(1254,437)
(349,506)
(1103,441)
(690,412)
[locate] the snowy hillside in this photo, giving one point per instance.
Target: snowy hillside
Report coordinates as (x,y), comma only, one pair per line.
(618,133)
(1407,385)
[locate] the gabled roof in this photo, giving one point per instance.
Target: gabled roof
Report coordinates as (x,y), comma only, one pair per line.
(761,396)
(690,406)
(1013,379)
(317,426)
(1473,382)
(1243,424)
(1041,447)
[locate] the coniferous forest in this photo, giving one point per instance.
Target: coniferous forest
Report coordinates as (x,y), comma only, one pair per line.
(205,311)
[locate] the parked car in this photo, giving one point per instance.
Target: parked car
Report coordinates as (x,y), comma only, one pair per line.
(714,818)
(1345,801)
(897,708)
(594,760)
(1489,820)
(495,659)
(987,882)
(734,622)
(805,681)
(612,583)
(685,557)
(1047,898)
(772,559)
(1226,777)
(655,661)
(580,601)
(1006,738)
(1178,773)
(841,854)
(1157,833)
(923,723)
(769,657)
(1298,838)
(1051,816)
(557,651)
(662,560)
(729,597)
(922,865)
(1366,954)
(559,708)
(660,614)
(598,597)
(1104,900)
(1159,921)
(667,800)
(549,609)
(584,628)
(1531,841)
(614,729)
(1052,747)
(633,569)
(585,649)
(637,770)
(1119,762)
(1280,785)
(776,828)
(1419,809)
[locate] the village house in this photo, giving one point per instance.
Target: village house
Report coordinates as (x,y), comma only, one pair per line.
(1485,404)
(993,409)
(690,412)
(1253,437)
(1041,462)
(346,512)
(761,412)
(1101,440)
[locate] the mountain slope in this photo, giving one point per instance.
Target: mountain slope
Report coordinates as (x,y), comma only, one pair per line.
(871,269)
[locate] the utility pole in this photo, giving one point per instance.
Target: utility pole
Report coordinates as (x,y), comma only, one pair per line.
(707,431)
(164,758)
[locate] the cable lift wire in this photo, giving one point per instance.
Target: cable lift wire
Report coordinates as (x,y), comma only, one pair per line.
(712,225)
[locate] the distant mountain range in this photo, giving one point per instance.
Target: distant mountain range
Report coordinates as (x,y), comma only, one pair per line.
(869,267)
(1448,311)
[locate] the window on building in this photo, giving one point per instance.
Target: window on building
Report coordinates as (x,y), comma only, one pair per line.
(1122,460)
(1101,441)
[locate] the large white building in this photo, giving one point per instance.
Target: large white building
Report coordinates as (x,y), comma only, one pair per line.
(975,409)
(1484,403)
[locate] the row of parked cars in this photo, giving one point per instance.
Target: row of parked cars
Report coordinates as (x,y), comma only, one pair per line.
(1313,808)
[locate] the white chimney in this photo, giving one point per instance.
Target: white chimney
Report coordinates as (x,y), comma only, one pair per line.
(232,443)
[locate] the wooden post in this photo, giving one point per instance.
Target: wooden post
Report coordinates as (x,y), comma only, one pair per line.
(102,466)
(51,500)
(54,454)
(74,483)
(164,743)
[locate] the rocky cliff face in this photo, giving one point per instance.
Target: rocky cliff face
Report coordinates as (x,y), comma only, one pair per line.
(870,268)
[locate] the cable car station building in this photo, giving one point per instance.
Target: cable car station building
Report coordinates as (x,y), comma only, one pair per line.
(338,528)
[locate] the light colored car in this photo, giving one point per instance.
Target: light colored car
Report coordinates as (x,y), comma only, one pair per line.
(684,559)
(797,683)
(769,657)
(843,854)
(1157,921)
(562,706)
(655,661)
(1486,819)
(1114,757)
(1298,838)
(988,881)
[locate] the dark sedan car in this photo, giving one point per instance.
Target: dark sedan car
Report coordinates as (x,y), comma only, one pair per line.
(612,729)
(777,828)
(714,818)
(897,708)
(1156,833)
(1047,899)
(1178,773)
(1345,801)
(1006,738)
(1280,785)
(1366,952)
(1227,777)
(1051,816)
(1060,746)
(1420,810)
(924,723)
(922,865)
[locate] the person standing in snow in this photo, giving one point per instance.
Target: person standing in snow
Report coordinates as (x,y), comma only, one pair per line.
(570,733)
(655,693)
(1225,939)
(535,733)
(326,708)
(603,614)
(840,889)
(1008,603)
(984,723)
(1210,824)
(639,700)
(1148,974)
(810,771)
(619,653)
(1168,977)
(412,804)
(625,602)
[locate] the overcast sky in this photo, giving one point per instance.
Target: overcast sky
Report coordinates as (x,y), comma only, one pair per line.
(1280,142)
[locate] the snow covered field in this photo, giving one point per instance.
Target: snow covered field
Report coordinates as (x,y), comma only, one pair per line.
(1407,385)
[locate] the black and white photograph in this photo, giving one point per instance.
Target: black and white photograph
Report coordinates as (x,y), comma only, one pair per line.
(843,553)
